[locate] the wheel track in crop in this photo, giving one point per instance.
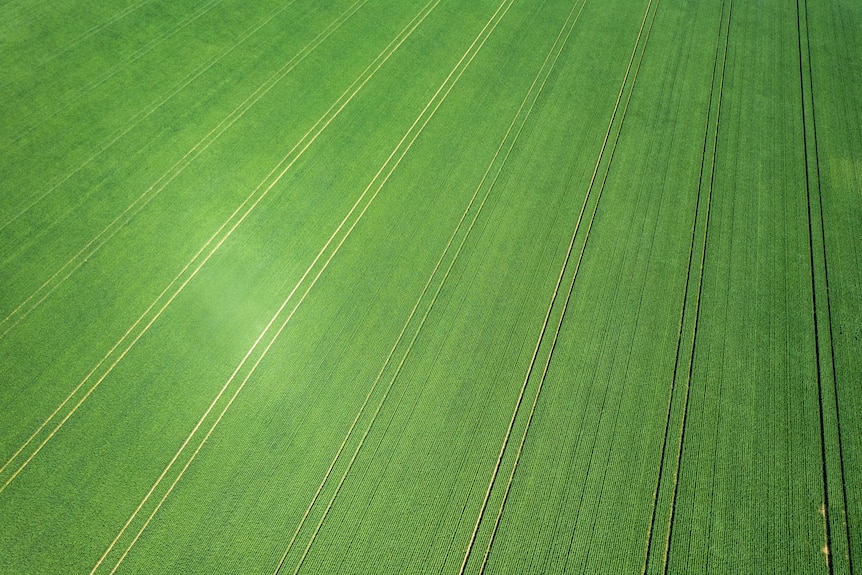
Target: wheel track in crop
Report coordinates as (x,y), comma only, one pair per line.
(710,141)
(109,231)
(218,239)
(567,299)
(512,132)
(379,180)
(105,144)
(608,134)
(73,99)
(827,383)
(686,289)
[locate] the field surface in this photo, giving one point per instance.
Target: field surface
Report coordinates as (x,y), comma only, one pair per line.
(431,286)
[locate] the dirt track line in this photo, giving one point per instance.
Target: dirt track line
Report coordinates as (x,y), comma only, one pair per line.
(549,312)
(685,301)
(487,32)
(837,548)
(311,136)
(167,177)
(690,371)
(583,248)
(383,57)
(144,114)
(566,302)
(410,317)
(570,23)
(412,314)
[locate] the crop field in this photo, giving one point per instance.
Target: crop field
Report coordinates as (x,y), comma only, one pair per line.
(431,286)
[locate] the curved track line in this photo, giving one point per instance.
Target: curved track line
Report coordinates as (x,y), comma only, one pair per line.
(551,306)
(302,145)
(145,113)
(74,263)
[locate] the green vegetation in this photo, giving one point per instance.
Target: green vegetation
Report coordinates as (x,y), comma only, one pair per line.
(366,286)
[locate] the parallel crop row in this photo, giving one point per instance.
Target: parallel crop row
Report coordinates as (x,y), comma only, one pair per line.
(430,286)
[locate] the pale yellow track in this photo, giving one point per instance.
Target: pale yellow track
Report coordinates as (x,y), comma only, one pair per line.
(486,31)
(405,33)
(550,310)
(76,261)
(253,199)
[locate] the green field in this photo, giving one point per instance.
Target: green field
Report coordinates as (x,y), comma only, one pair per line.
(431,286)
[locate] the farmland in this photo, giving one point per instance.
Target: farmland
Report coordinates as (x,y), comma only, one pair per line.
(430,286)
